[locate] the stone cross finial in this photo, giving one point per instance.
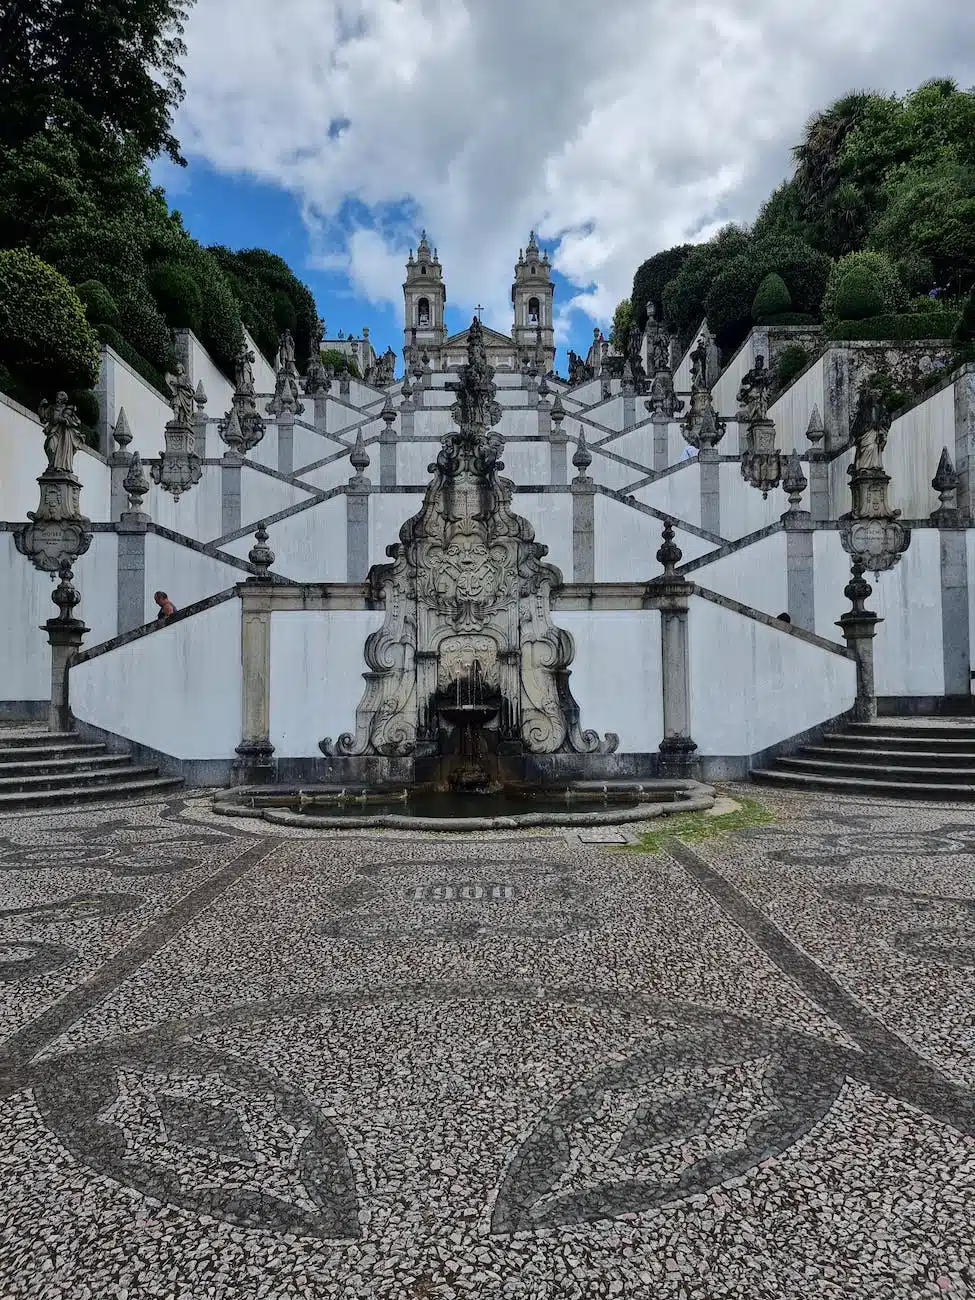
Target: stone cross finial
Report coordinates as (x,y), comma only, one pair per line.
(260,555)
(135,484)
(582,456)
(670,554)
(815,429)
(945,483)
(793,480)
(122,434)
(358,456)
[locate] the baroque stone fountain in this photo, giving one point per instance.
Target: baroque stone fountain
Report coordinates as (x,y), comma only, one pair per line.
(468,677)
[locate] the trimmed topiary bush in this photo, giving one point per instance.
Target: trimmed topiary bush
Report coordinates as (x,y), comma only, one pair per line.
(45,337)
(144,326)
(86,404)
(177,295)
(894,297)
(771,299)
(903,326)
(858,295)
(100,307)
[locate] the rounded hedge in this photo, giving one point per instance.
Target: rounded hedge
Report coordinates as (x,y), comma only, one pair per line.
(100,307)
(772,298)
(44,333)
(885,278)
(905,325)
(858,295)
(177,295)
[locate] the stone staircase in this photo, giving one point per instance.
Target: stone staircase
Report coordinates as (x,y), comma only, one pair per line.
(43,770)
(905,758)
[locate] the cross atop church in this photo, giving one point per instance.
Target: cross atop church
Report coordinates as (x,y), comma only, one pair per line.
(477,311)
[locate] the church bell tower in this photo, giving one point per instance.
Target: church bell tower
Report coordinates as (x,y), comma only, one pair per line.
(424,296)
(532,296)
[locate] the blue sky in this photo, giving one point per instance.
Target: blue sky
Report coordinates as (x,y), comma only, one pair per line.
(244,213)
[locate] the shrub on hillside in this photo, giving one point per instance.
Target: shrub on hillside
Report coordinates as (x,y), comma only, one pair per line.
(139,364)
(45,336)
(904,326)
(791,361)
(177,295)
(893,294)
(772,298)
(100,307)
(729,300)
(336,359)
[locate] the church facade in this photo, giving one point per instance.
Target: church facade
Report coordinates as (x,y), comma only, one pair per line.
(426,343)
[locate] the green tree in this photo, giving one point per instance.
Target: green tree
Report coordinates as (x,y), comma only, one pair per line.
(652,277)
(858,295)
(728,304)
(931,215)
(622,319)
(684,296)
(115,62)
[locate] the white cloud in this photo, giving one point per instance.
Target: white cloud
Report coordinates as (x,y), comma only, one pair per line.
(617,131)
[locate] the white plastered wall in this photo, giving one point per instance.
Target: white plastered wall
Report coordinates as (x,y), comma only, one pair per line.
(755,575)
(753,686)
(184,574)
(615,647)
(177,690)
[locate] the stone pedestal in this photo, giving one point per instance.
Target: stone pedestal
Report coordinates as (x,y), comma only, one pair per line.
(255,753)
(65,634)
(357,529)
(858,626)
(670,593)
(818,484)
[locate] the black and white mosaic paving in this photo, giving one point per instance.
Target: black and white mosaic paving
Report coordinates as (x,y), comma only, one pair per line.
(241,1063)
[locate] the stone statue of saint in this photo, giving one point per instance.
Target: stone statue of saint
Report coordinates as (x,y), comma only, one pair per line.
(659,353)
(385,369)
(871,424)
(182,396)
(244,372)
(286,351)
(753,394)
(699,366)
(62,433)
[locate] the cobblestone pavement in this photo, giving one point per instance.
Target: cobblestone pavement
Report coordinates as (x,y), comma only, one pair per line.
(242,1060)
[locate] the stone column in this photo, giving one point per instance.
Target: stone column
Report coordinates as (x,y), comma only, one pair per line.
(858,626)
(661,442)
(255,751)
(964,439)
(800,570)
(818,467)
(65,634)
(131,611)
(357,514)
(670,593)
(956,644)
(387,446)
(321,412)
(105,393)
(286,442)
(406,409)
(710,471)
(230,492)
(583,516)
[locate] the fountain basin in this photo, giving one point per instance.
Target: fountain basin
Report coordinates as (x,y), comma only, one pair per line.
(579,803)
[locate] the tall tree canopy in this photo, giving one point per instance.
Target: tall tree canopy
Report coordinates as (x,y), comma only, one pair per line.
(115,62)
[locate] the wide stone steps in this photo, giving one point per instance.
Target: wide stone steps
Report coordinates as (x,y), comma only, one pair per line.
(920,759)
(43,771)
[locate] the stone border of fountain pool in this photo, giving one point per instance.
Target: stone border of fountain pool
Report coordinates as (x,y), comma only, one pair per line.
(698,798)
